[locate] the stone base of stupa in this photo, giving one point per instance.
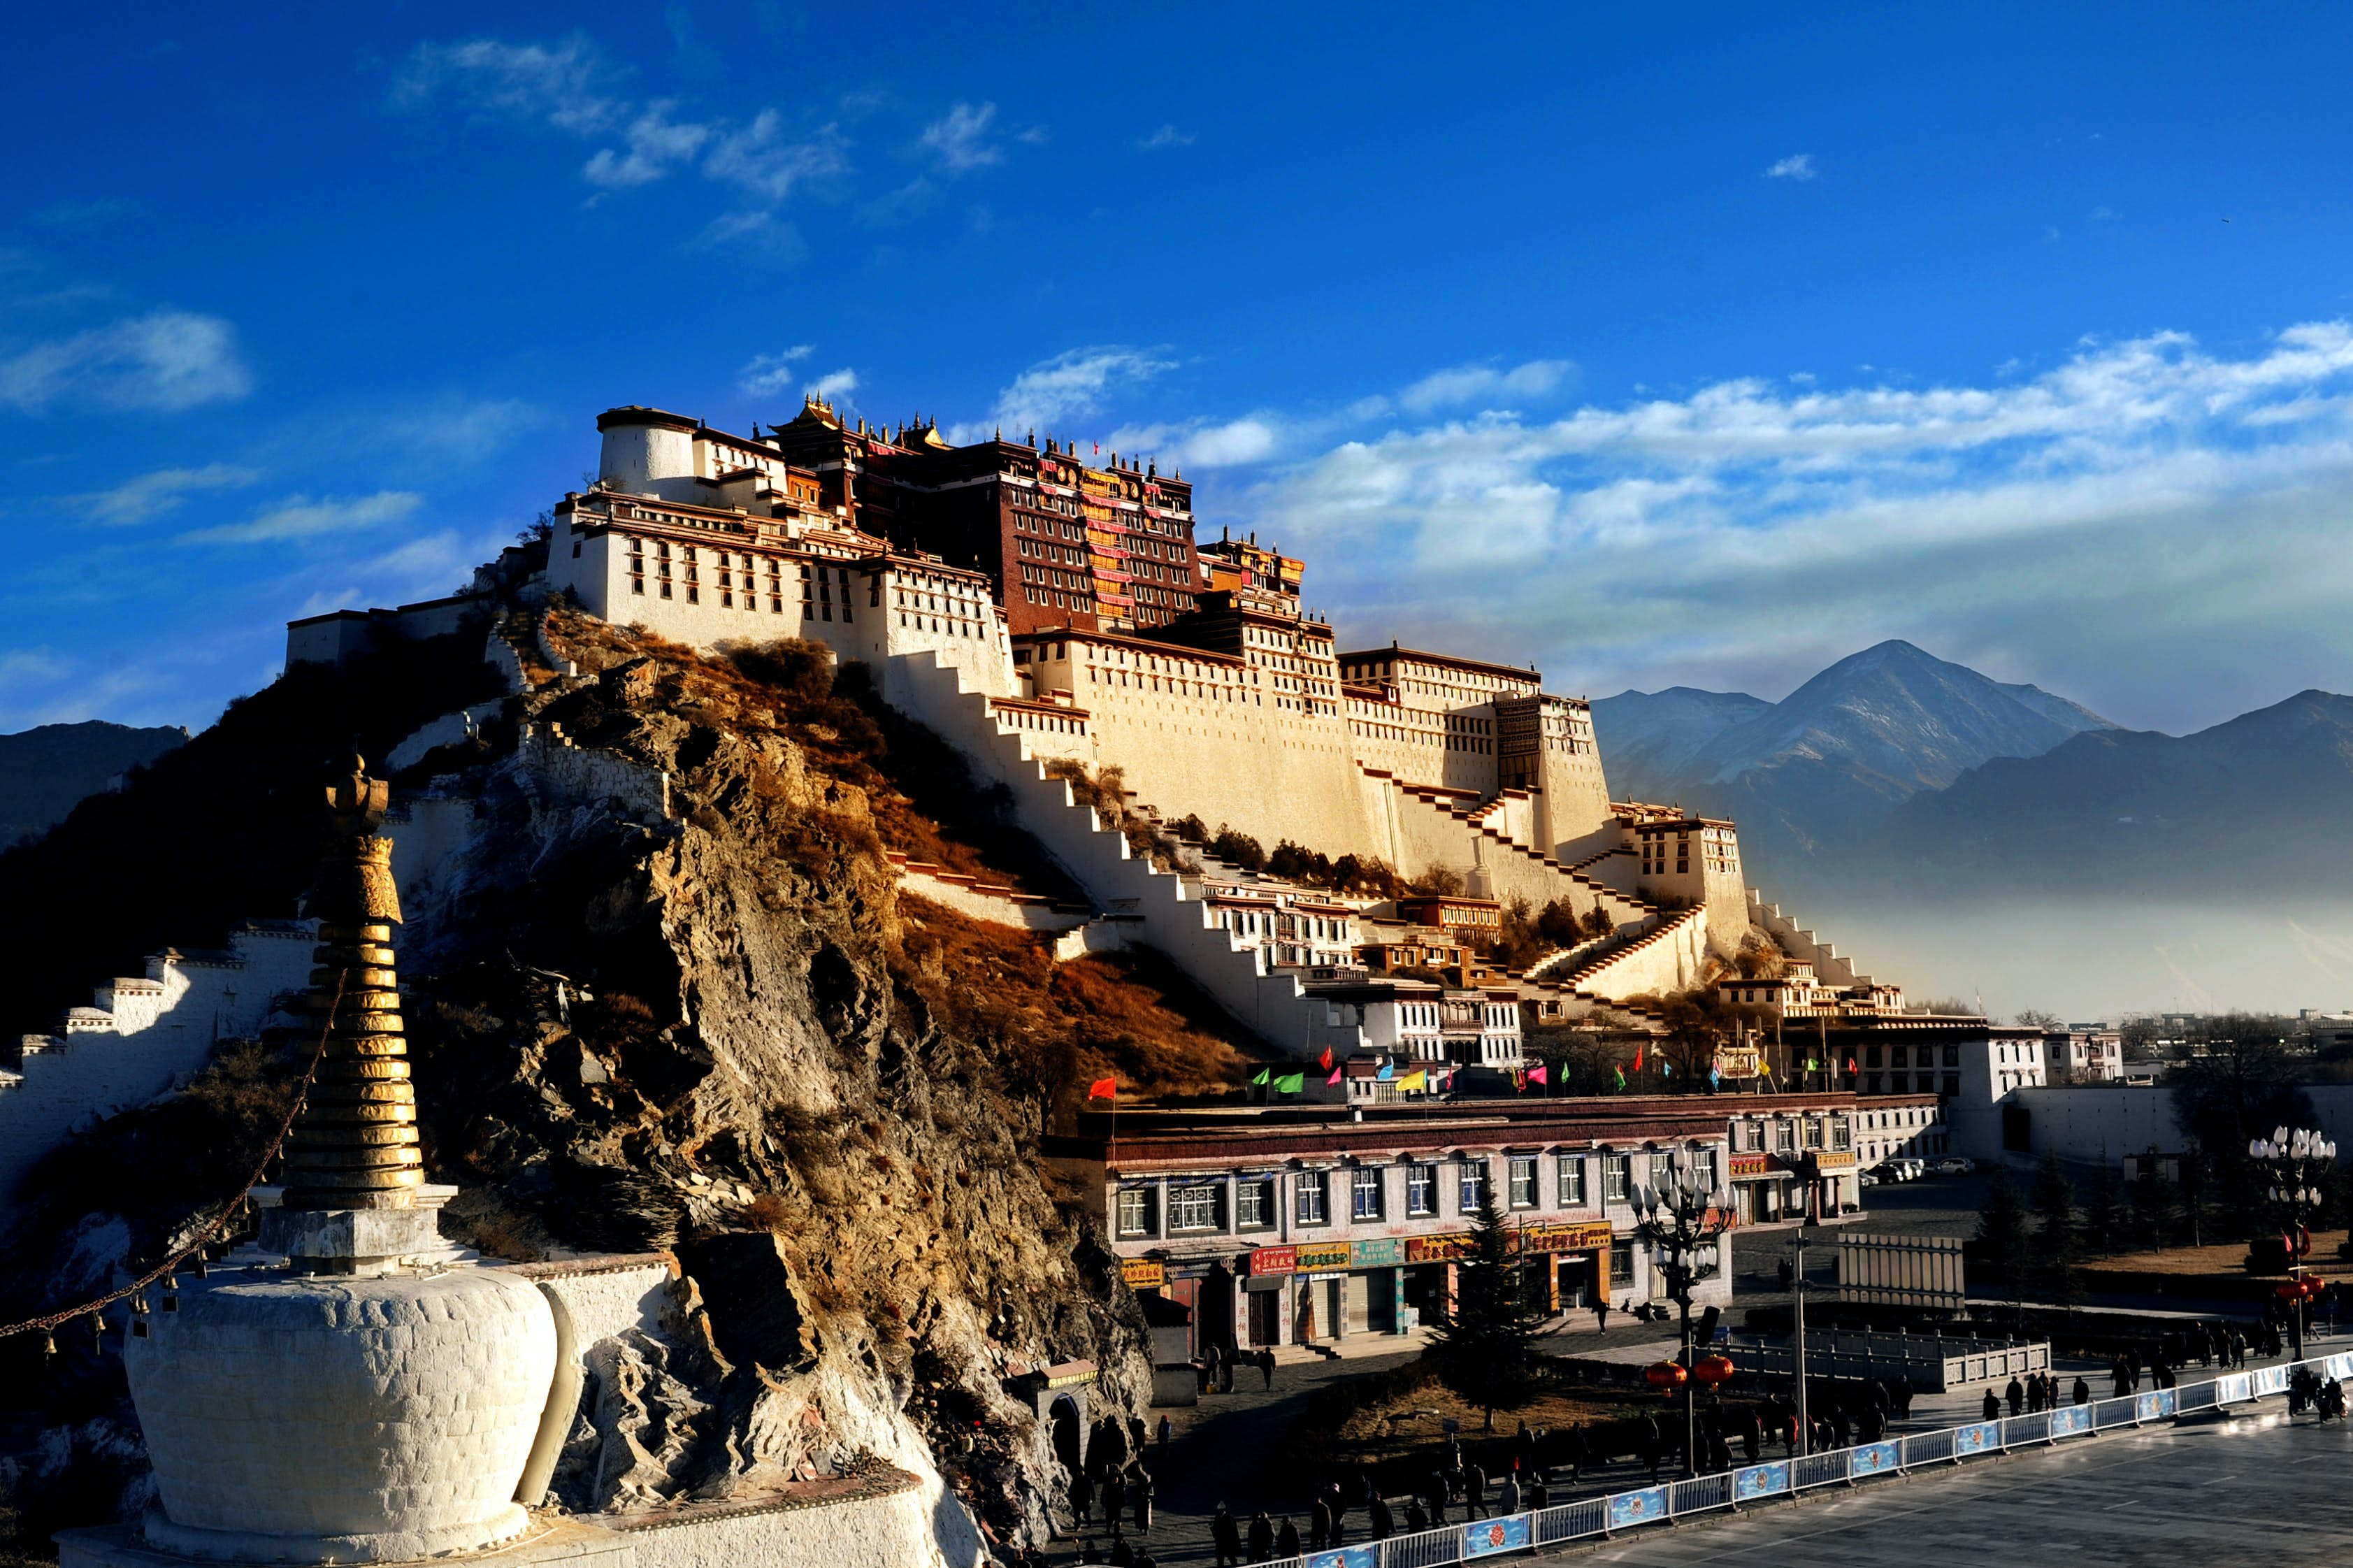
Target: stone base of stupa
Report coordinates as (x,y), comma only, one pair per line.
(882,1518)
(562,1541)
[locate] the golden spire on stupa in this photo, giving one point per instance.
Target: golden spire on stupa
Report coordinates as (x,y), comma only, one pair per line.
(355,1144)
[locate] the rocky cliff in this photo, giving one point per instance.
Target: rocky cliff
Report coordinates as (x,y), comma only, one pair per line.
(665,996)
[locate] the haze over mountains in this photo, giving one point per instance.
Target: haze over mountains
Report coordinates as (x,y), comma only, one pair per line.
(1811,774)
(1899,771)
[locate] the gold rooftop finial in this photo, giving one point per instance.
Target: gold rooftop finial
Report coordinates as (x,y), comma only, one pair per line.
(355,1144)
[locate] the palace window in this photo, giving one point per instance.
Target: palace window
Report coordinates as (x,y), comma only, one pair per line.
(1471,1186)
(1621,1263)
(1254,1204)
(1785,1137)
(1307,1194)
(1421,1189)
(1194,1207)
(1522,1187)
(1704,1168)
(1813,1131)
(1135,1211)
(1616,1177)
(1841,1135)
(1365,1193)
(1571,1177)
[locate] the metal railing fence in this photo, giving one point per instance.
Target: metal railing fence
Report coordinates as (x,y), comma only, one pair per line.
(1479,1538)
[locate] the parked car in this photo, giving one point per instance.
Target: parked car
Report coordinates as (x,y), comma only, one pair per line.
(1956,1165)
(1909,1170)
(1866,1180)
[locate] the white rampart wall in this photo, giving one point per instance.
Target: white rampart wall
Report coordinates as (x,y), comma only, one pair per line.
(649,459)
(1418,836)
(185,1004)
(1669,957)
(1157,911)
(1801,944)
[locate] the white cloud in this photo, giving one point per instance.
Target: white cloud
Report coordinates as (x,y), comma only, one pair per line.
(557,83)
(834,385)
(1470,382)
(151,496)
(165,361)
(765,161)
(2150,527)
(762,234)
(1166,136)
(1796,166)
(768,375)
(1235,443)
(1071,386)
(959,139)
(301,516)
(657,144)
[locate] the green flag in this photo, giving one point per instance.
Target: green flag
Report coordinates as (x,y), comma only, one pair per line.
(1262,1075)
(1812,1066)
(1619,1074)
(1291,1085)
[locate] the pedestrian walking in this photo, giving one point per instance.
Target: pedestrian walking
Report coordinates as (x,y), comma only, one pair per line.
(1266,1365)
(1212,1359)
(1225,1536)
(1416,1518)
(1083,1497)
(1437,1495)
(1601,1316)
(1474,1491)
(1262,1537)
(1579,1447)
(1507,1497)
(1319,1525)
(2015,1397)
(1286,1538)
(1992,1406)
(1140,1493)
(1167,1429)
(2120,1376)
(2081,1392)
(1384,1522)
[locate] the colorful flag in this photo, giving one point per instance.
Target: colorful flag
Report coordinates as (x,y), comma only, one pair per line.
(1850,1064)
(1336,1074)
(1419,1079)
(1666,1068)
(1292,1084)
(1812,1065)
(1713,1078)
(1539,1074)
(1389,1071)
(1104,1089)
(1519,1079)
(1324,1062)
(1639,1049)
(1261,1078)
(1618,1073)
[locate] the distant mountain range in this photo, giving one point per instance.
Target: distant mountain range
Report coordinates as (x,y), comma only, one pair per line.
(2262,805)
(1819,769)
(46,771)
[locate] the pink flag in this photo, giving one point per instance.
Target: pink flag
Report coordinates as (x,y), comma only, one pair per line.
(1335,1077)
(1536,1074)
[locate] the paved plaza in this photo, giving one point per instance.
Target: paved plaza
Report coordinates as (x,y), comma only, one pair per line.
(2250,1488)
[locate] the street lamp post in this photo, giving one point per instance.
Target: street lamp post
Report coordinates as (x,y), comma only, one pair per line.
(2295,1162)
(1680,1219)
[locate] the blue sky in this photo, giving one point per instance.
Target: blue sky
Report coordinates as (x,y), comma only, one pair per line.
(1701,344)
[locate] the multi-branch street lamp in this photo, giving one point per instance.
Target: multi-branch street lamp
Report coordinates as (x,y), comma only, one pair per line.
(1679,1220)
(2295,1163)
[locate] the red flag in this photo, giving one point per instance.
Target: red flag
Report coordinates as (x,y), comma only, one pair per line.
(1324,1062)
(1850,1064)
(1104,1089)
(1638,1056)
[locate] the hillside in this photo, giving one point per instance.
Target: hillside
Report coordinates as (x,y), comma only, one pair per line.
(46,771)
(711,1025)
(1824,763)
(2260,805)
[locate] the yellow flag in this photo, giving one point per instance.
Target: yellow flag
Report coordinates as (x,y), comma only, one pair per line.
(1417,1078)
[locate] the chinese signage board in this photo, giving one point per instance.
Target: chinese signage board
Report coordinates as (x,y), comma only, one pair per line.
(1274,1260)
(1321,1255)
(1143,1273)
(1386,1253)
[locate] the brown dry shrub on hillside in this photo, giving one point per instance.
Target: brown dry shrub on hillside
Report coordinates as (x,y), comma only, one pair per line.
(1050,1028)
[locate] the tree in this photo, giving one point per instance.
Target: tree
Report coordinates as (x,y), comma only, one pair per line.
(2104,1207)
(2036,1018)
(2054,1230)
(1236,847)
(1483,1336)
(2001,1229)
(2235,1079)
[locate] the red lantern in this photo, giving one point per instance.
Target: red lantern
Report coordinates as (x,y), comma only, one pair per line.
(1713,1371)
(2289,1290)
(2313,1285)
(1665,1376)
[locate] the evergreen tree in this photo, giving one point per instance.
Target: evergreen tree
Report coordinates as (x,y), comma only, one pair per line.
(2002,1229)
(2054,1229)
(1483,1338)
(2103,1208)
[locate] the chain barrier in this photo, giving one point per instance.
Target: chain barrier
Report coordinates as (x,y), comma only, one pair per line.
(48,1323)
